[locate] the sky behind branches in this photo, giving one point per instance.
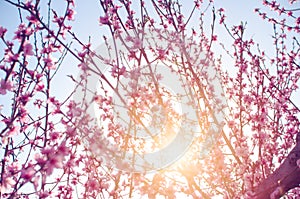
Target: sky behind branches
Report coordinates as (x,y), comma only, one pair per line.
(87,28)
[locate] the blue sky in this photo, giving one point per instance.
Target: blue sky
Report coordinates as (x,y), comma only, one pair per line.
(86,25)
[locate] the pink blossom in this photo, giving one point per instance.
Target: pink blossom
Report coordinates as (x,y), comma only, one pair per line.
(63,149)
(92,184)
(132,55)
(71,2)
(27,49)
(70,14)
(298,21)
(104,20)
(194,32)
(55,162)
(40,86)
(28,173)
(161,53)
(36,180)
(23,31)
(71,131)
(116,71)
(7,183)
(83,66)
(2,31)
(13,131)
(137,43)
(40,159)
(197,4)
(59,21)
(49,61)
(54,136)
(5,86)
(44,194)
(134,74)
(55,158)
(10,57)
(221,10)
(24,99)
(129,24)
(32,19)
(73,110)
(28,4)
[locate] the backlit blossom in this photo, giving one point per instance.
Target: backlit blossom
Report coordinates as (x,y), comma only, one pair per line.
(70,14)
(104,20)
(116,71)
(27,49)
(161,53)
(5,86)
(33,19)
(49,61)
(28,173)
(55,162)
(2,31)
(10,57)
(7,183)
(13,131)
(23,31)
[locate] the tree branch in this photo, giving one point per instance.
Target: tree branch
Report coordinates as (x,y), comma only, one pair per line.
(285,178)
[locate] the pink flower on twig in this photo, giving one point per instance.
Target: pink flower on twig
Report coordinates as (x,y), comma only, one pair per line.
(5,86)
(27,49)
(2,31)
(49,61)
(28,173)
(7,183)
(104,20)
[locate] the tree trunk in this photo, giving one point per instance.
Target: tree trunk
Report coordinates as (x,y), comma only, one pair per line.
(286,177)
